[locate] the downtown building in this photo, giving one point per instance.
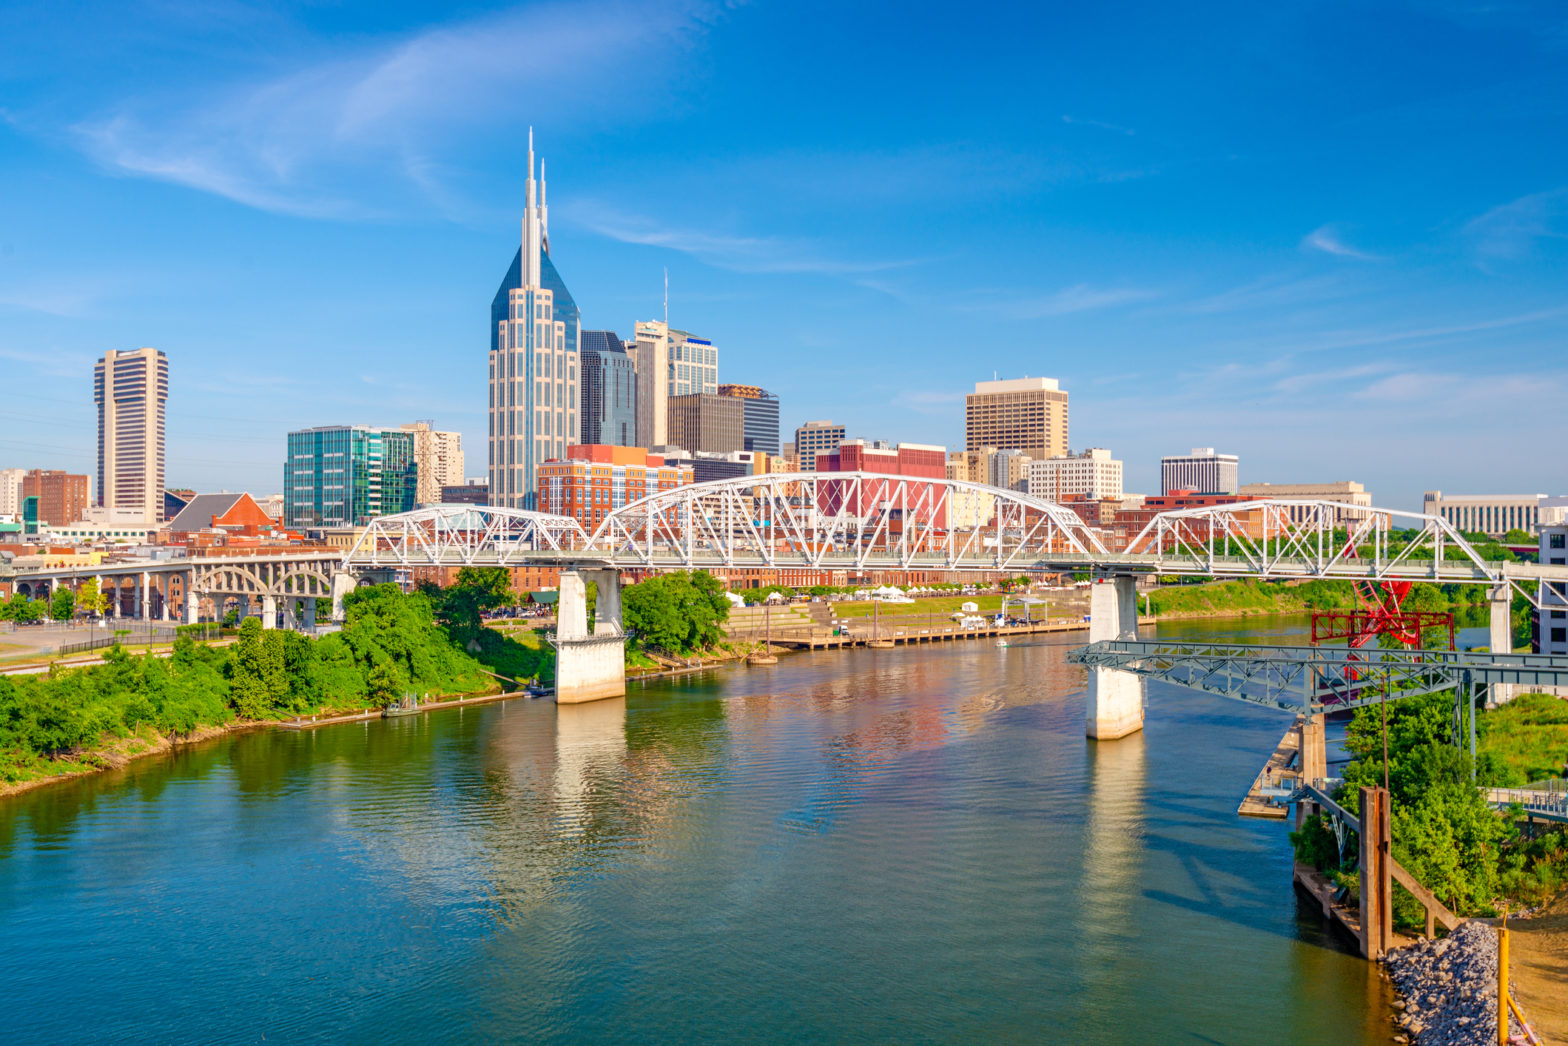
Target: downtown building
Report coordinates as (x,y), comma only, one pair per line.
(1352,495)
(873,497)
(761,410)
(607,407)
(438,457)
(1495,514)
(593,480)
(816,438)
(669,363)
(1093,475)
(131,389)
(53,498)
(534,337)
(1201,472)
(1023,414)
(346,475)
(706,422)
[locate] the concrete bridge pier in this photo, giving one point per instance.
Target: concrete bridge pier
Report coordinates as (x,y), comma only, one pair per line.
(589,666)
(1500,640)
(342,584)
(192,605)
(269,611)
(1115,706)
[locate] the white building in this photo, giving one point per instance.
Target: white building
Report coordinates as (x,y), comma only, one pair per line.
(439,458)
(11,491)
(669,362)
(1202,472)
(1495,514)
(1552,625)
(1346,492)
(131,389)
(1093,474)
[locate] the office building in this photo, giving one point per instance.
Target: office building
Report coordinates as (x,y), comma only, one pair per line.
(131,389)
(1024,414)
(1352,495)
(813,438)
(1495,514)
(762,417)
(346,475)
(1551,620)
(669,362)
(1201,472)
(62,496)
(608,406)
(11,491)
(593,480)
(1008,469)
(474,492)
(909,460)
(1093,475)
(707,422)
(438,457)
(534,328)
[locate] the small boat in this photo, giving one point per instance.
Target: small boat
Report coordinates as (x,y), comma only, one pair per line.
(1001,642)
(538,690)
(408,704)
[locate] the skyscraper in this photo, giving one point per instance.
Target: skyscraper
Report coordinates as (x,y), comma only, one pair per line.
(1027,414)
(608,407)
(669,363)
(1203,472)
(534,329)
(816,437)
(130,389)
(706,422)
(346,475)
(762,417)
(439,457)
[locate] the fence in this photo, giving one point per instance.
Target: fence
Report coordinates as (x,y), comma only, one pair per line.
(139,634)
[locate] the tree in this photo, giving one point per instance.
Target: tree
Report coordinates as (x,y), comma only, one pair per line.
(257,681)
(62,603)
(461,606)
(90,600)
(22,610)
(678,612)
(1515,536)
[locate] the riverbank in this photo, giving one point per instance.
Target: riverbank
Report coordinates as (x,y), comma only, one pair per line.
(123,752)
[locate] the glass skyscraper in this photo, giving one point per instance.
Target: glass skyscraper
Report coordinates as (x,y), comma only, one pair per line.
(534,328)
(608,407)
(762,417)
(346,475)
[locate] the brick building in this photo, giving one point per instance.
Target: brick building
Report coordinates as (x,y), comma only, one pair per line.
(62,496)
(905,459)
(594,479)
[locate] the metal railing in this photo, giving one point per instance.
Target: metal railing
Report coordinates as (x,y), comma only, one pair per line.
(111,637)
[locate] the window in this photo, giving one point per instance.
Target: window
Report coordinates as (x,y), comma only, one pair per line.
(1556,540)
(1560,635)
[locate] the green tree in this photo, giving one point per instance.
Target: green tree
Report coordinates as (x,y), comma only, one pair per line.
(62,603)
(257,681)
(91,600)
(678,612)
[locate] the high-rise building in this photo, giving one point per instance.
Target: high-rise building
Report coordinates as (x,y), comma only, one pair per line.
(816,437)
(346,475)
(1027,414)
(669,363)
(596,479)
(762,417)
(608,406)
(11,491)
(702,421)
(62,496)
(1201,472)
(1008,469)
(131,389)
(534,327)
(1094,475)
(439,459)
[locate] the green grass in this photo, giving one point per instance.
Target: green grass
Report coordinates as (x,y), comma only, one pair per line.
(943,606)
(1523,741)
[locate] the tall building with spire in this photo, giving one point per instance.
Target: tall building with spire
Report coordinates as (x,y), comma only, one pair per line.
(534,380)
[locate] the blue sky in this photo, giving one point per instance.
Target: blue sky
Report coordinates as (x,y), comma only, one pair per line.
(1330,238)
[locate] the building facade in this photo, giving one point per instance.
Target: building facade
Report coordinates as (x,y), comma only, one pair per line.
(608,406)
(593,480)
(702,421)
(346,475)
(1093,475)
(1008,469)
(1202,472)
(909,460)
(439,459)
(474,492)
(131,390)
(762,417)
(1352,495)
(669,362)
(62,496)
(1551,621)
(814,438)
(11,491)
(1024,414)
(1493,514)
(534,329)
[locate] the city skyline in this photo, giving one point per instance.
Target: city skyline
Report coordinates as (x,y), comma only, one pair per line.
(1354,253)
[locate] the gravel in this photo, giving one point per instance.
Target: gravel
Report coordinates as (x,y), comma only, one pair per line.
(1449,988)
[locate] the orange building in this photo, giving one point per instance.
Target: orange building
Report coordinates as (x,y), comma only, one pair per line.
(595,479)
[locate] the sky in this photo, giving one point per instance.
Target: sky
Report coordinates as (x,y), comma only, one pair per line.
(1327,237)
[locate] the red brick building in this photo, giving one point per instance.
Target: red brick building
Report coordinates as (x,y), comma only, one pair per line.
(595,479)
(905,459)
(62,496)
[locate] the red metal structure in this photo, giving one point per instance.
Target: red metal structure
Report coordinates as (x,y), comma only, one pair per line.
(1381,613)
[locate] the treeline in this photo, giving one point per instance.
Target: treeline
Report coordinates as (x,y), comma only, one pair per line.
(390,643)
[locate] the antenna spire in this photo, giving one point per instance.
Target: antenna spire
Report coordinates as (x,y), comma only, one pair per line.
(666,299)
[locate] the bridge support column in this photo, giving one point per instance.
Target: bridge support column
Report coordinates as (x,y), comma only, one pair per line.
(342,585)
(310,613)
(1115,707)
(290,613)
(589,667)
(269,611)
(1500,636)
(1314,748)
(192,605)
(144,597)
(1377,875)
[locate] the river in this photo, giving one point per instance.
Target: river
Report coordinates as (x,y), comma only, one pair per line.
(914,845)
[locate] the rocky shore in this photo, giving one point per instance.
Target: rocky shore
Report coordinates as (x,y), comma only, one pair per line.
(1449,988)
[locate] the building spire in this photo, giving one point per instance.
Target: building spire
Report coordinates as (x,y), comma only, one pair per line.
(544,213)
(531,229)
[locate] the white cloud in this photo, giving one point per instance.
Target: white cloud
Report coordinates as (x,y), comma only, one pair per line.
(1326,238)
(1512,230)
(1080,297)
(1102,125)
(274,145)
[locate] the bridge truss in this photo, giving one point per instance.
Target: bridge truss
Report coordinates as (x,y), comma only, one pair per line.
(464,535)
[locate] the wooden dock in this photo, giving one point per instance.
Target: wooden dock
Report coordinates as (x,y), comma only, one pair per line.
(1276,779)
(889,632)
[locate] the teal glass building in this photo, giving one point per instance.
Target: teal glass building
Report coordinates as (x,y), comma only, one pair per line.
(346,475)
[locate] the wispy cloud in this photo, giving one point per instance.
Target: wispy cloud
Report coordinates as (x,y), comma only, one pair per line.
(1080,297)
(1326,238)
(938,403)
(1101,124)
(1513,230)
(280,144)
(1268,292)
(740,253)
